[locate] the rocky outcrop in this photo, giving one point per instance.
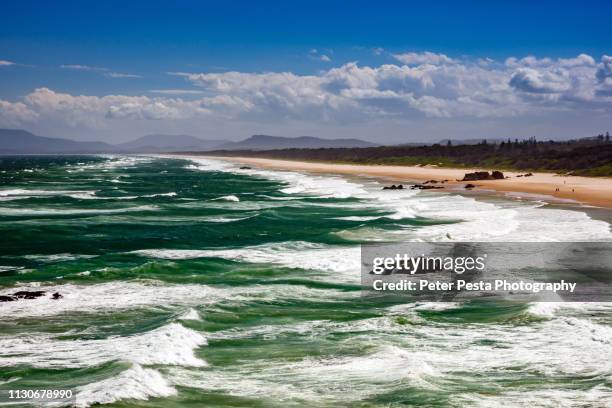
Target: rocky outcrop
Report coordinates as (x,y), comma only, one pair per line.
(468,186)
(245,168)
(479,175)
(424,187)
(483,175)
(7,298)
(27,294)
(394,187)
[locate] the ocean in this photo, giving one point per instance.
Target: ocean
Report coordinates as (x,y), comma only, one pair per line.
(192,282)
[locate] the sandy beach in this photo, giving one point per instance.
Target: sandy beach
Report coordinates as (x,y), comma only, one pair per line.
(572,189)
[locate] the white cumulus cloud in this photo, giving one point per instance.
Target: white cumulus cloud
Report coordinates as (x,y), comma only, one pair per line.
(422,87)
(418,58)
(79,67)
(122,75)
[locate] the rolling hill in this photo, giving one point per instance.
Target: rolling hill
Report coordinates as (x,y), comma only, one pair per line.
(158,143)
(17,141)
(264,142)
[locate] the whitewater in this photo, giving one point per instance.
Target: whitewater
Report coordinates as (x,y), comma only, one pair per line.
(191,281)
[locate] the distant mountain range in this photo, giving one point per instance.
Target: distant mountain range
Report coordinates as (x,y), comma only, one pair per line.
(17,141)
(263,142)
(167,143)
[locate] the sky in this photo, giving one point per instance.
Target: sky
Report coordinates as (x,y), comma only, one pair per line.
(388,72)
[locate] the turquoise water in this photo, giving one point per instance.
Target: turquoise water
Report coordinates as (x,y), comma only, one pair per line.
(195,283)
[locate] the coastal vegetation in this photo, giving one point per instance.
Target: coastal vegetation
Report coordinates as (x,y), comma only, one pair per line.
(584,157)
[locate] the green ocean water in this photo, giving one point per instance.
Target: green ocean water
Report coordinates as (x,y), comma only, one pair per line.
(196,283)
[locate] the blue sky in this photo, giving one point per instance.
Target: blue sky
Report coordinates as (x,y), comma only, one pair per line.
(134,50)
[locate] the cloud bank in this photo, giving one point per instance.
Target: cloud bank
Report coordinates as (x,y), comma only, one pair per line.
(418,87)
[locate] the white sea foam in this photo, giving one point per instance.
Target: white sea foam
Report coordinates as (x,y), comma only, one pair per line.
(191,314)
(74,211)
(172,344)
(466,219)
(10,380)
(358,218)
(315,379)
(526,222)
(122,295)
(396,204)
(171,194)
(226,219)
(8,268)
(96,197)
(428,356)
(228,198)
(598,396)
(298,183)
(21,193)
(79,195)
(342,261)
(113,162)
(58,257)
(107,296)
(551,309)
(389,362)
(119,181)
(135,383)
(267,197)
(472,219)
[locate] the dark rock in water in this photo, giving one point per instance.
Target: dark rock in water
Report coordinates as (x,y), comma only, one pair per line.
(22,294)
(528,174)
(56,296)
(7,298)
(423,187)
(245,168)
(469,186)
(394,187)
(27,294)
(483,175)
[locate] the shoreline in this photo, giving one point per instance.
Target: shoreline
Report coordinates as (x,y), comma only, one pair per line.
(573,190)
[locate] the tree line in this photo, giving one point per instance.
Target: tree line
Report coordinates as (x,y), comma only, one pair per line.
(589,156)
